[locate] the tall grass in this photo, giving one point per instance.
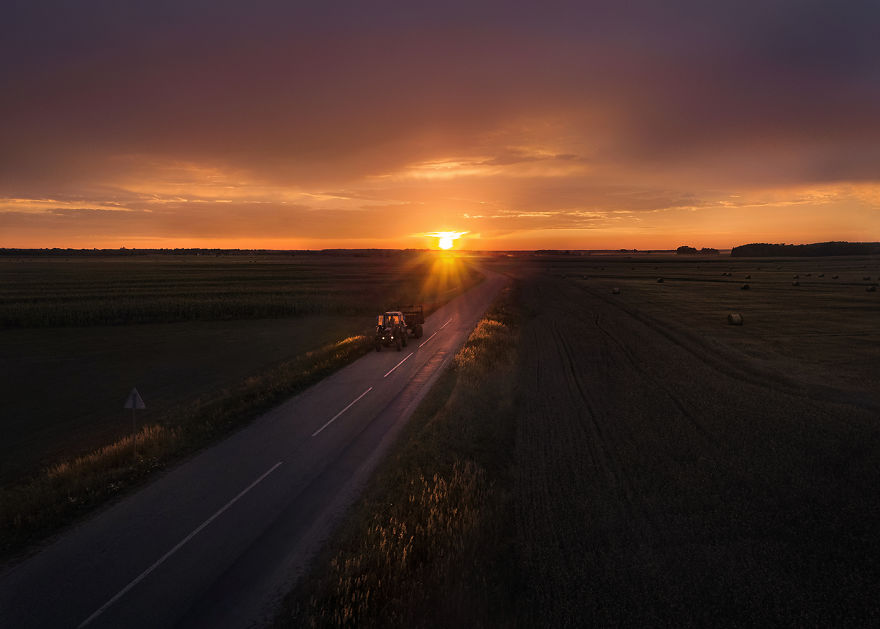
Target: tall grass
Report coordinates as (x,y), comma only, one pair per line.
(423,546)
(34,508)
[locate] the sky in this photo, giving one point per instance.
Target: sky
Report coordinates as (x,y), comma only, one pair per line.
(525,125)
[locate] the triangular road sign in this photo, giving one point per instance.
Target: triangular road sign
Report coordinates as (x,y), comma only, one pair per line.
(134,400)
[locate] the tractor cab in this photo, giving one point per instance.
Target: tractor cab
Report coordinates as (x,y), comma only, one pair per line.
(390,330)
(390,319)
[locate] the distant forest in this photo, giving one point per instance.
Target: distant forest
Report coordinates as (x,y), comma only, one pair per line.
(816,249)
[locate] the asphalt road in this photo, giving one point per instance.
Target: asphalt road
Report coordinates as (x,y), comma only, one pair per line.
(216,541)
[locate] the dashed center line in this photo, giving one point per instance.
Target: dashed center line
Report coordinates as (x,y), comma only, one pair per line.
(397,365)
(143,575)
(435,333)
(337,415)
(186,539)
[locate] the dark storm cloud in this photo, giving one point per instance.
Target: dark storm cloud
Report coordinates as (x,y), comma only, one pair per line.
(323,94)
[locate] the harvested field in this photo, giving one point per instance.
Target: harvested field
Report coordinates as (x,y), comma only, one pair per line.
(823,332)
(671,471)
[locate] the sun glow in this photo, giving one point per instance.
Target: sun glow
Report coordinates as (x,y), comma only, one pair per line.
(446,240)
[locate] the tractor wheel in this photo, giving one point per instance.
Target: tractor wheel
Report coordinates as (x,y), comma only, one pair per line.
(397,343)
(417,332)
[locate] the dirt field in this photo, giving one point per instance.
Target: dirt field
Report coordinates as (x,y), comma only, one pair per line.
(674,470)
(78,333)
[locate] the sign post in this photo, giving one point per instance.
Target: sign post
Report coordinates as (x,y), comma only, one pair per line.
(134,402)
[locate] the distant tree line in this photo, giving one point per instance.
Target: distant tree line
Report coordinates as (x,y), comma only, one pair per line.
(816,249)
(685,250)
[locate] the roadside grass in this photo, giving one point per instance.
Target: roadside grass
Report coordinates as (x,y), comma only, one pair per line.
(427,543)
(65,491)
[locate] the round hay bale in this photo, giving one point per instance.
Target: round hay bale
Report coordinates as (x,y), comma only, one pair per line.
(659,280)
(615,291)
(734,318)
(744,287)
(795,283)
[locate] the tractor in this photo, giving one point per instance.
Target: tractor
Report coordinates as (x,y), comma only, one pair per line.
(391,330)
(393,326)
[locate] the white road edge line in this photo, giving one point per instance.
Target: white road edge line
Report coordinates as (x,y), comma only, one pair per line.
(435,333)
(397,365)
(179,545)
(336,416)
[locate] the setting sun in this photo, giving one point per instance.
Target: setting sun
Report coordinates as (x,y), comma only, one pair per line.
(446,240)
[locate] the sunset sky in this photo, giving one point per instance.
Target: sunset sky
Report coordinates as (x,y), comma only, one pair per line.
(325,124)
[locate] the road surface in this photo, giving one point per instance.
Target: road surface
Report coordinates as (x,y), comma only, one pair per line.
(218,540)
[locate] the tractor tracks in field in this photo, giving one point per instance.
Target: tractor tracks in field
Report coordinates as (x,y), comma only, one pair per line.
(572,433)
(649,472)
(648,376)
(731,364)
(605,447)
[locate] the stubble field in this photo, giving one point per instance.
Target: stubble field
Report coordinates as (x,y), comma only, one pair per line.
(675,470)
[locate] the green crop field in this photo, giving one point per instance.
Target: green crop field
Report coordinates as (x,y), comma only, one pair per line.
(77,333)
